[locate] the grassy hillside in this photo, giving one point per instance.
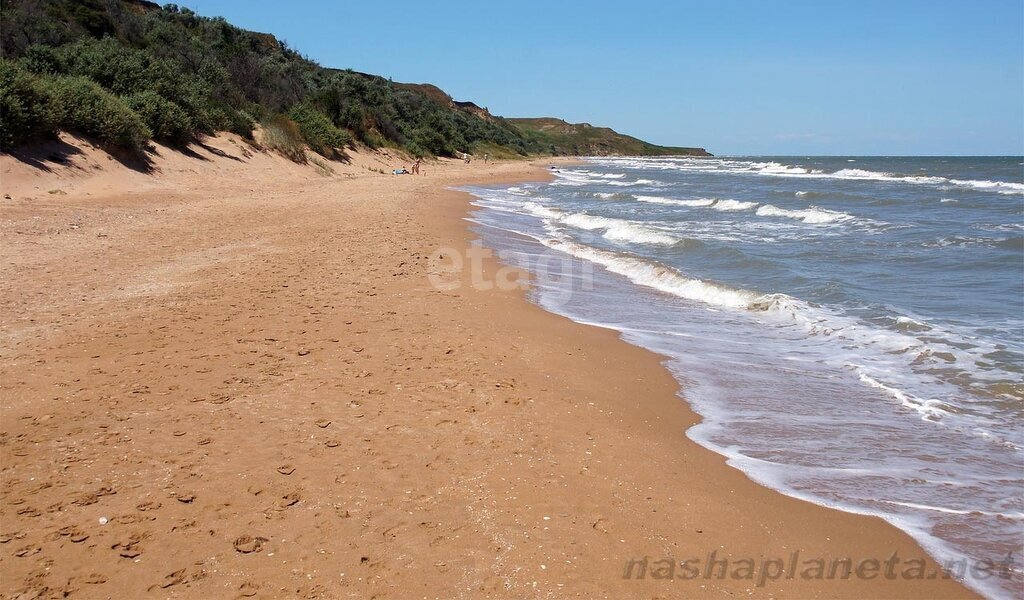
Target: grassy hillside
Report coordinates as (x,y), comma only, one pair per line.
(555,136)
(124,72)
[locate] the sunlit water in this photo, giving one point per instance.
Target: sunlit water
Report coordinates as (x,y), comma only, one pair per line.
(851,329)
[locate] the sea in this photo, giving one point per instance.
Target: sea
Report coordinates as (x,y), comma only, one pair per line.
(850,329)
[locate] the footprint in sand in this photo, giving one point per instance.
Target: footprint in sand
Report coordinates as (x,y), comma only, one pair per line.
(173,579)
(286,469)
(247,544)
(27,551)
(289,500)
(322,423)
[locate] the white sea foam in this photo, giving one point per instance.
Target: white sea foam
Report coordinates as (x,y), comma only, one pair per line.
(908,324)
(957,511)
(775,168)
(929,409)
(1008,187)
(618,230)
(543,211)
(812,215)
(655,275)
(722,165)
(676,202)
(730,205)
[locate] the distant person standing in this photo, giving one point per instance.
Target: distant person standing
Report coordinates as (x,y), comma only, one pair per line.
(416,167)
(465,157)
(487,158)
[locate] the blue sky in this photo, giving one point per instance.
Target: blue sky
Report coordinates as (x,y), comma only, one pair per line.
(737,77)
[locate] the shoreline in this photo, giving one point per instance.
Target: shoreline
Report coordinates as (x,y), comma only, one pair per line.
(680,413)
(222,382)
(929,544)
(689,416)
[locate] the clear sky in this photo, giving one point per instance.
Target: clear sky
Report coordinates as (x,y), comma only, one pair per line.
(737,77)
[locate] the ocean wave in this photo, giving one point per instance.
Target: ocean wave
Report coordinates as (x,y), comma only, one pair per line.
(776,169)
(1008,243)
(655,275)
(812,215)
(731,205)
(929,409)
(675,202)
(913,325)
(957,511)
(1003,187)
(1007,187)
(883,350)
(543,211)
(616,230)
(619,230)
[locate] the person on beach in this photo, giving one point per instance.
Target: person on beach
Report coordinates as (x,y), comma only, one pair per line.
(487,158)
(465,157)
(416,167)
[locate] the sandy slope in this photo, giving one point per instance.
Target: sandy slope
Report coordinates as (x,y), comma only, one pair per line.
(240,365)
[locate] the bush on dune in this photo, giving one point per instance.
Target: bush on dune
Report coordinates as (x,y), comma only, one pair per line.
(186,75)
(281,134)
(78,104)
(168,121)
(319,131)
(24,107)
(34,107)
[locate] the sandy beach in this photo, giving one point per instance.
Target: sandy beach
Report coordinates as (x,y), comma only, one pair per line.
(233,377)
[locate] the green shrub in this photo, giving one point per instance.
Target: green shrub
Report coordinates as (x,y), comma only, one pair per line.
(213,71)
(240,122)
(432,141)
(282,135)
(24,107)
(78,104)
(168,121)
(318,130)
(41,60)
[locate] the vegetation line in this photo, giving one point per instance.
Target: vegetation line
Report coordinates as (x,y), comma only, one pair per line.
(124,72)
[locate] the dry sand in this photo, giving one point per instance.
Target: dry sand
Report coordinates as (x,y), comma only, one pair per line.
(231,377)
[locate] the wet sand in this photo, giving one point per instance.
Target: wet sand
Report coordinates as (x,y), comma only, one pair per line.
(234,377)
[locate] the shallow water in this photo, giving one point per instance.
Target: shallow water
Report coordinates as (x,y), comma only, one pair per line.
(850,328)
